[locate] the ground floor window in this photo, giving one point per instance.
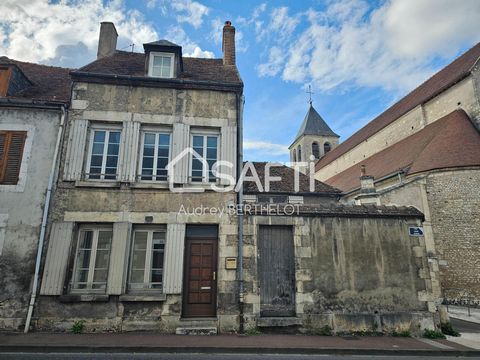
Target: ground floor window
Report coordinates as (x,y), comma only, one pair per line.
(147,258)
(92,258)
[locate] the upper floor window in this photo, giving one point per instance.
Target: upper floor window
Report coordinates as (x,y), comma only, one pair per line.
(103,154)
(161,65)
(92,258)
(11,152)
(155,156)
(206,145)
(326,147)
(299,149)
(315,150)
(146,262)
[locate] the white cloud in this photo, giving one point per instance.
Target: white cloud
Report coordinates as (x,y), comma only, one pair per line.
(192,12)
(65,33)
(350,44)
(189,48)
(266,147)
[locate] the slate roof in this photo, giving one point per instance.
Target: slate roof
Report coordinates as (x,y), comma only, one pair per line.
(351,211)
(133,64)
(449,142)
(313,124)
(162,42)
(49,83)
(287,185)
(445,78)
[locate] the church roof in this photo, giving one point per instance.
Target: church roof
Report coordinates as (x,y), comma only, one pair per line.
(313,124)
(445,78)
(449,142)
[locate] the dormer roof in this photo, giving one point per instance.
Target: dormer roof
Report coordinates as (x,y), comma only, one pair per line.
(313,124)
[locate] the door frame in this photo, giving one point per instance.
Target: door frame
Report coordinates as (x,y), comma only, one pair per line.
(186,269)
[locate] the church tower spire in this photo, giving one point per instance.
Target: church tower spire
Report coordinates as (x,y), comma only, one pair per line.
(314,138)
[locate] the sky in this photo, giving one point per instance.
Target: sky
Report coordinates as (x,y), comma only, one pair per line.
(358,56)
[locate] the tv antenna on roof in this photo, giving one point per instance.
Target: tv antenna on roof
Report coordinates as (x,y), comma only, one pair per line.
(131,45)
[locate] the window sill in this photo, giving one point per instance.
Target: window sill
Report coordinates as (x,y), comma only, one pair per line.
(149,185)
(93,183)
(72,298)
(152,297)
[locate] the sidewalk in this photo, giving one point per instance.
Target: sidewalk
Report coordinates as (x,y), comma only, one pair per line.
(285,344)
(461,312)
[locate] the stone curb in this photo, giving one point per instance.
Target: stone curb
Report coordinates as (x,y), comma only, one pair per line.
(232,350)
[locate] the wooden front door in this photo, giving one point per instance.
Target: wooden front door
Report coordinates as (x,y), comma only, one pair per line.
(276,271)
(200,283)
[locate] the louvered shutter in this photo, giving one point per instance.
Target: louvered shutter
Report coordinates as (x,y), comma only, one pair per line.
(11,151)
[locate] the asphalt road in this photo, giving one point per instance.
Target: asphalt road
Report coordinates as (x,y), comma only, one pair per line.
(100,356)
(465,326)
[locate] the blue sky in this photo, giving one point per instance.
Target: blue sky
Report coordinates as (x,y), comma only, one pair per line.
(359,56)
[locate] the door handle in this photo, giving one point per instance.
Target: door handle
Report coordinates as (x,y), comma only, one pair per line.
(214,275)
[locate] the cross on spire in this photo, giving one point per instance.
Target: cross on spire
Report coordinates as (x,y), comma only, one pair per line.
(309,92)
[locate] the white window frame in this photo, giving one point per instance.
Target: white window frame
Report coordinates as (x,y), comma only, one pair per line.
(147,283)
(205,134)
(156,131)
(150,63)
(93,258)
(106,128)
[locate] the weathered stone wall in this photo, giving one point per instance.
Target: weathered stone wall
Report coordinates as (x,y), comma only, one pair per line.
(21,209)
(349,270)
(461,95)
(454,199)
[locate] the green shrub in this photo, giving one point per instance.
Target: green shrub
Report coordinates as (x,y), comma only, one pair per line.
(433,334)
(324,331)
(403,333)
(448,329)
(78,327)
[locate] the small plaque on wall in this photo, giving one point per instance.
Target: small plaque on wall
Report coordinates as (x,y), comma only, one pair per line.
(231,263)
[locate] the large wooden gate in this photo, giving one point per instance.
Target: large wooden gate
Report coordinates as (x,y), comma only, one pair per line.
(276,271)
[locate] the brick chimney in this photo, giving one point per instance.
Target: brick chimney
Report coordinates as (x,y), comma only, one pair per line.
(107,41)
(228,44)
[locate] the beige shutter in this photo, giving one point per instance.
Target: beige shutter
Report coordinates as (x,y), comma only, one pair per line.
(181,141)
(58,252)
(228,151)
(173,271)
(75,150)
(129,151)
(119,258)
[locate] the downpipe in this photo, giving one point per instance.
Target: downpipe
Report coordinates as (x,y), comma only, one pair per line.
(241,102)
(41,239)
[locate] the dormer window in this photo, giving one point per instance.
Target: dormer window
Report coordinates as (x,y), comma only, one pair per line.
(161,65)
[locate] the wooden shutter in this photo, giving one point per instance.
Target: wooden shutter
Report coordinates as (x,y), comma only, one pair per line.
(173,268)
(11,152)
(119,258)
(180,143)
(129,152)
(228,151)
(56,262)
(75,150)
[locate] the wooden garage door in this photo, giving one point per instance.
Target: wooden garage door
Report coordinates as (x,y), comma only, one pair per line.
(276,271)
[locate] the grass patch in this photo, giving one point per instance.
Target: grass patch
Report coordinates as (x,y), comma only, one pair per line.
(433,334)
(448,329)
(253,332)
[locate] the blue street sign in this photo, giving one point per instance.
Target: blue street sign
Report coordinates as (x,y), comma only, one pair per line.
(415,231)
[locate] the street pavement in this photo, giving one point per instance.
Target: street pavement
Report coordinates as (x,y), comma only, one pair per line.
(133,356)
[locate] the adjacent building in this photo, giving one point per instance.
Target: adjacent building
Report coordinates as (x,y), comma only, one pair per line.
(33,99)
(424,151)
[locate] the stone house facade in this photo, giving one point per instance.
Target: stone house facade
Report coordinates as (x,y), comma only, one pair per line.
(33,99)
(424,151)
(120,219)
